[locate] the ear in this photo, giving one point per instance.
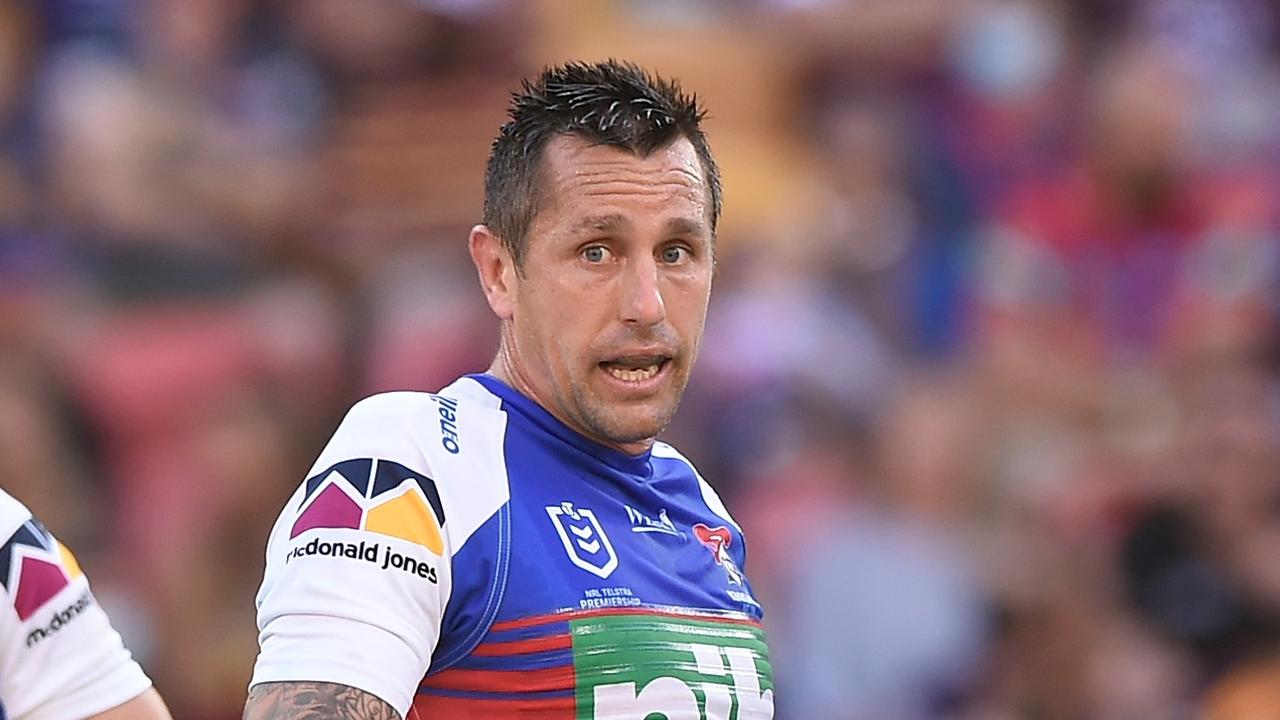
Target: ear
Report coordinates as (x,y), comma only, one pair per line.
(496,268)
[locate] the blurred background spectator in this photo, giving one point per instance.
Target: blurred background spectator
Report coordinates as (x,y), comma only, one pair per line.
(998,292)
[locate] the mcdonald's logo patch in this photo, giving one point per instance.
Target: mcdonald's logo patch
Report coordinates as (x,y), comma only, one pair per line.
(378,496)
(34,568)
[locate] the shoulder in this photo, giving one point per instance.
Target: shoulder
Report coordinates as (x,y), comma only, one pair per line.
(395,413)
(418,428)
(403,408)
(449,443)
(705,491)
(386,411)
(402,404)
(12,514)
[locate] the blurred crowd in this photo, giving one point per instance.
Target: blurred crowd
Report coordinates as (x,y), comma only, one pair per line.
(991,371)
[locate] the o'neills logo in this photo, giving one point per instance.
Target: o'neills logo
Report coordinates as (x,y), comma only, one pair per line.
(375,553)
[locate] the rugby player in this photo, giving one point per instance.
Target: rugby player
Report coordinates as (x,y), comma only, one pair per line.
(60,659)
(519,545)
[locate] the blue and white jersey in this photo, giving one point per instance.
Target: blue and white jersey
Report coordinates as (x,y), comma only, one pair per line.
(60,659)
(465,554)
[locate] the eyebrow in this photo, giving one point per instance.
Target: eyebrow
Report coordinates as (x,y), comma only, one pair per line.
(686,226)
(603,223)
(617,222)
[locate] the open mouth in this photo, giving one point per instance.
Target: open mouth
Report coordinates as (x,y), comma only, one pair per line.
(636,369)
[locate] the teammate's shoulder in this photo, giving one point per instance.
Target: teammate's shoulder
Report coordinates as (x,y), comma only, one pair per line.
(12,515)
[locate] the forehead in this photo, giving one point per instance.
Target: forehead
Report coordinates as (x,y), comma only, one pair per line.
(579,176)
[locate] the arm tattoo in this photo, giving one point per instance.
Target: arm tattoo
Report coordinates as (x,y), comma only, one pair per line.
(314,701)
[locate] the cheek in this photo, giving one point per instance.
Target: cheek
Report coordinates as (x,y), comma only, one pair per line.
(529,322)
(572,345)
(687,304)
(551,331)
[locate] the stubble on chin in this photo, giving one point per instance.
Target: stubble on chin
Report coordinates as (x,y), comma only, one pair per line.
(608,423)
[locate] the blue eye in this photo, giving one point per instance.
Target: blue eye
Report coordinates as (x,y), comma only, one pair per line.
(674,254)
(594,254)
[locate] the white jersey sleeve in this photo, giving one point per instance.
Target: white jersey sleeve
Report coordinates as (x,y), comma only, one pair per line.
(60,659)
(358,570)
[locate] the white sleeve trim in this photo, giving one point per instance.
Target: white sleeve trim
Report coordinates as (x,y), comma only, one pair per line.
(109,690)
(347,652)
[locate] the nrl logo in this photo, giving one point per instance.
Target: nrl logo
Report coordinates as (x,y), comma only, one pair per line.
(583,539)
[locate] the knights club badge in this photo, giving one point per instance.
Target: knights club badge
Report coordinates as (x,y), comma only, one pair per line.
(717,540)
(583,539)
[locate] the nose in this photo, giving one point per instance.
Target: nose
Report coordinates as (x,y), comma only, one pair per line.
(642,302)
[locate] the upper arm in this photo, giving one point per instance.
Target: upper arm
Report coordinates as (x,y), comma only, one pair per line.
(313,701)
(360,564)
(147,706)
(357,575)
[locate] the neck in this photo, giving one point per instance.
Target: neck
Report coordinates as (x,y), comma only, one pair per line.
(505,367)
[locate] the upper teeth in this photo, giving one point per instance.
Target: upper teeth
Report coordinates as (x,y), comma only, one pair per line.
(633,374)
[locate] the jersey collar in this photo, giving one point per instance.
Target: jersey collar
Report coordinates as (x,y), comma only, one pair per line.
(514,400)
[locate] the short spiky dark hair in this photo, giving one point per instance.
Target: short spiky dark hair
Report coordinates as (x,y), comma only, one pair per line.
(610,103)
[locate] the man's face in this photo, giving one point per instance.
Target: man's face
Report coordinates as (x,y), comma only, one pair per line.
(607,315)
